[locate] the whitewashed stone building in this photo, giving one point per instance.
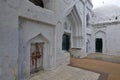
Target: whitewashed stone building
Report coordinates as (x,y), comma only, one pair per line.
(36,34)
(106,30)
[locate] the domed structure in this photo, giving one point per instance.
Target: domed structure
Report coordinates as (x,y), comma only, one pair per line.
(106,29)
(106,13)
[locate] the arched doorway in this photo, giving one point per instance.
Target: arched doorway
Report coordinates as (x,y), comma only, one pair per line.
(72,30)
(99,45)
(66,42)
(100,41)
(76,29)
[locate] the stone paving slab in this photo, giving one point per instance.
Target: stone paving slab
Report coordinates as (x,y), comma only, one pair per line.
(66,73)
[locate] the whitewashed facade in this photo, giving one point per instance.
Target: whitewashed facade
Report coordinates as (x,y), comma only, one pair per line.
(37,37)
(106,26)
(26,26)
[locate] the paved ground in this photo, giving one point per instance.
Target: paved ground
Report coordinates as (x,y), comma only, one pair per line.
(103,67)
(103,57)
(66,73)
(112,69)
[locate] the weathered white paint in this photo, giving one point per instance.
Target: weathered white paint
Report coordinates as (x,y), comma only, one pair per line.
(105,25)
(22,22)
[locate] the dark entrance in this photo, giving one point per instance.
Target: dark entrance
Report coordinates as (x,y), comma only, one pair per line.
(99,45)
(66,42)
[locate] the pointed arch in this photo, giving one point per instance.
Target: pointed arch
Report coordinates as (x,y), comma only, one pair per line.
(99,31)
(39,36)
(76,28)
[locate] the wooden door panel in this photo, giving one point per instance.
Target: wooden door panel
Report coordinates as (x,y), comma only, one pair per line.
(36,53)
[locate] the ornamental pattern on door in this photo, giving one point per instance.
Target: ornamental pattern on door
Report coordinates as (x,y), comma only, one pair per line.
(36,57)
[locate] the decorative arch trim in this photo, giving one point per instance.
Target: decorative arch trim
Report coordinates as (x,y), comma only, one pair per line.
(100,31)
(41,35)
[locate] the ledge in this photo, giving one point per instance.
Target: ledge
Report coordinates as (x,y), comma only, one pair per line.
(29,10)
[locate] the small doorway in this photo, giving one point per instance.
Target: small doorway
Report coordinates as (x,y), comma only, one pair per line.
(66,42)
(36,54)
(99,45)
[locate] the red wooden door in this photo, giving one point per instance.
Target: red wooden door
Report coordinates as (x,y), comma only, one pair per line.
(36,57)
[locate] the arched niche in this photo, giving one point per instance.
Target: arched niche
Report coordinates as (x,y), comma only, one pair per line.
(25,54)
(42,40)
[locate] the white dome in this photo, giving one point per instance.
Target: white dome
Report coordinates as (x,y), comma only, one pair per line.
(107,9)
(105,13)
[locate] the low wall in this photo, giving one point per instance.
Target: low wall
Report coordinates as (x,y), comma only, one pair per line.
(75,52)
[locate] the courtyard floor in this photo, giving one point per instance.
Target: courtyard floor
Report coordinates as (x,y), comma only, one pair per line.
(93,67)
(109,70)
(66,73)
(104,57)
